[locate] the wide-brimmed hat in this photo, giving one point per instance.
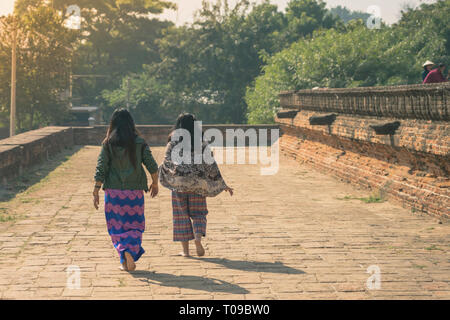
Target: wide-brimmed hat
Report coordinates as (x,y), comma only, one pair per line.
(428,63)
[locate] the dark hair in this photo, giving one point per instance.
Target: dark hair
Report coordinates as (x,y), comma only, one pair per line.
(441,65)
(122,132)
(186,121)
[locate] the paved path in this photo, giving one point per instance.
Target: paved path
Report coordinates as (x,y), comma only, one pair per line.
(291,236)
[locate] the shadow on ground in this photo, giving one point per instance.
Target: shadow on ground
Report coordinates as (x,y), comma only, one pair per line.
(35,174)
(189,282)
(256,266)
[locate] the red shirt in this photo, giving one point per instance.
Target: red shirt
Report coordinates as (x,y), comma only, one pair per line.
(435,76)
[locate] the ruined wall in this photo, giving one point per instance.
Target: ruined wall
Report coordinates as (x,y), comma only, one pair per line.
(392,140)
(31,148)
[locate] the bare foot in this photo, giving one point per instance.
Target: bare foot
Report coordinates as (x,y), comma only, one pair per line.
(200,249)
(185,245)
(184,254)
(129,262)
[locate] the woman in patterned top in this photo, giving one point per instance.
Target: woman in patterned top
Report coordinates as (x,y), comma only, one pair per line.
(191,181)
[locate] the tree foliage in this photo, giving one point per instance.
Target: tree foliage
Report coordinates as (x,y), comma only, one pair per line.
(209,64)
(44,51)
(228,66)
(354,56)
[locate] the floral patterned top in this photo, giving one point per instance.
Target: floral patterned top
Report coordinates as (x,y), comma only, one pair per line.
(203,179)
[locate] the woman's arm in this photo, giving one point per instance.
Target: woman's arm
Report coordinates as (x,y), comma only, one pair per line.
(97,187)
(149,161)
(100,174)
(152,167)
(102,168)
(154,188)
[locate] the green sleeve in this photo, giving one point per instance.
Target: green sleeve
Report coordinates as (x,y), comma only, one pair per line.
(149,161)
(102,165)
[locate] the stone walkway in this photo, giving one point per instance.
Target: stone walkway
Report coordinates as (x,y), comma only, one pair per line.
(296,235)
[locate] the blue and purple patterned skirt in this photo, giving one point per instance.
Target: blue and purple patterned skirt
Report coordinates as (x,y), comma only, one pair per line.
(124,210)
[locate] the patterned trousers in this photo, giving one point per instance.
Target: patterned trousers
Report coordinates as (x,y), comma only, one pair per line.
(189,215)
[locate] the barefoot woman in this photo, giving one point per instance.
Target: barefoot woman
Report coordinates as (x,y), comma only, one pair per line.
(120,171)
(190,182)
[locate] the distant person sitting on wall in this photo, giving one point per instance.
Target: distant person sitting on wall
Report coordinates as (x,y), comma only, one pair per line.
(427,66)
(436,75)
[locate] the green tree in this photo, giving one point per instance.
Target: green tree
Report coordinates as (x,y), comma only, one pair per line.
(353,56)
(117,37)
(151,102)
(208,65)
(305,16)
(423,34)
(44,52)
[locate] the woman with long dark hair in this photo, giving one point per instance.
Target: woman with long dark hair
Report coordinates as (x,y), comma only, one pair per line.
(120,171)
(191,182)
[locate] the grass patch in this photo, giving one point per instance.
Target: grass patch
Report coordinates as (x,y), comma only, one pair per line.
(37,186)
(347,198)
(433,247)
(27,200)
(122,282)
(417,266)
(373,198)
(5,216)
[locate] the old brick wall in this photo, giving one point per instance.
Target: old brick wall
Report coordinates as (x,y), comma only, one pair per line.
(33,147)
(411,165)
(30,148)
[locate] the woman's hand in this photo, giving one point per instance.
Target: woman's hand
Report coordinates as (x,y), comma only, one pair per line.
(230,190)
(154,189)
(96,199)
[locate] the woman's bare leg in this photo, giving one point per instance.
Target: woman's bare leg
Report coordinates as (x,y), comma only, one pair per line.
(198,244)
(129,262)
(185,245)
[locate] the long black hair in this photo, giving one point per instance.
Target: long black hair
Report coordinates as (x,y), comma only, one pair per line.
(186,121)
(122,132)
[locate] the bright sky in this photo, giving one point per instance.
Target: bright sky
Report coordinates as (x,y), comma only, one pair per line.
(390,9)
(6,6)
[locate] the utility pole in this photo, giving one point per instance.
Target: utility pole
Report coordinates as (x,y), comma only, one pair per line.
(12,124)
(71,89)
(128,93)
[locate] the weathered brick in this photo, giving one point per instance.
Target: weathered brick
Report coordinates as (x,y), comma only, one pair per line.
(412,166)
